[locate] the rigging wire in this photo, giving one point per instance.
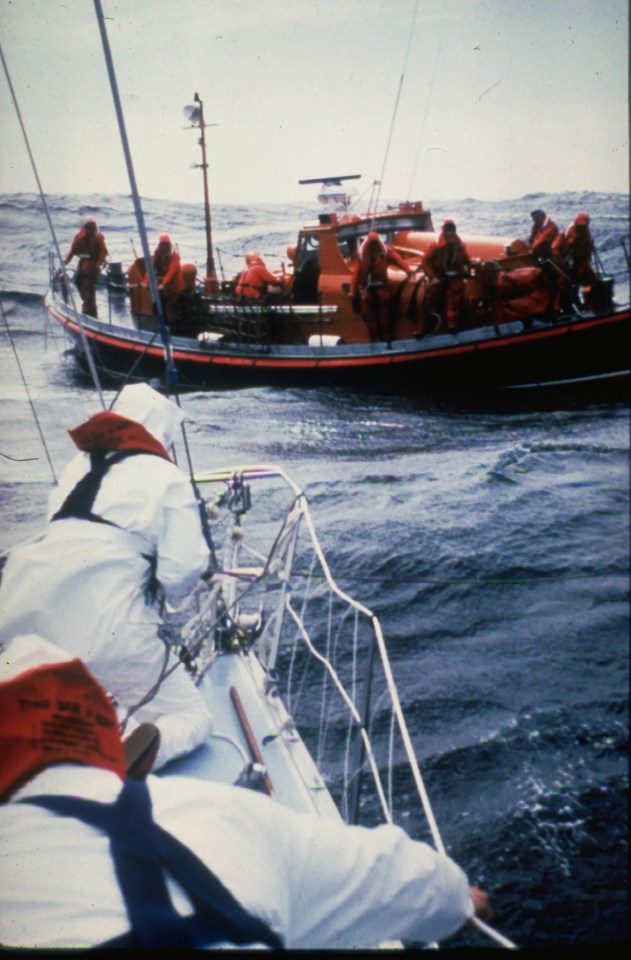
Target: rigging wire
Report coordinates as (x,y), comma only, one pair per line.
(140,220)
(28,394)
(84,340)
(171,371)
(394,114)
(139,358)
(423,124)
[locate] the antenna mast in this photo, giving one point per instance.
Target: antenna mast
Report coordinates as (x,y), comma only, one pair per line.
(196,116)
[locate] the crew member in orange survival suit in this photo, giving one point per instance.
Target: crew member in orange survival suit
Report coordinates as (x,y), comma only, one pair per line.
(573,251)
(256,279)
(445,264)
(370,284)
(168,269)
(89,246)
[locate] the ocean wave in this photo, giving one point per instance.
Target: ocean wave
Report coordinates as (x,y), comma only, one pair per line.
(504,604)
(14,299)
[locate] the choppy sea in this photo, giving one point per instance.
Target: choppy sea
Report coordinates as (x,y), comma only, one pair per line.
(493,544)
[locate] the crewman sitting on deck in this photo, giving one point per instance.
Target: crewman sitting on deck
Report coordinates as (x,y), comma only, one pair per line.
(256,281)
(94,857)
(446,263)
(167,266)
(89,246)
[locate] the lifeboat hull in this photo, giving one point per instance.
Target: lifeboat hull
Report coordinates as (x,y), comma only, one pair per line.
(518,327)
(509,356)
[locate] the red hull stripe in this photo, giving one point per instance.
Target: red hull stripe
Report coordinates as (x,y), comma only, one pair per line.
(378,360)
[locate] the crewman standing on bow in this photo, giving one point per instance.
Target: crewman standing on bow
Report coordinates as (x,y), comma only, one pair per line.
(89,246)
(445,263)
(370,283)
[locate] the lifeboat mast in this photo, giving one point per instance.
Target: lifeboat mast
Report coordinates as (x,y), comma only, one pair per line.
(195,115)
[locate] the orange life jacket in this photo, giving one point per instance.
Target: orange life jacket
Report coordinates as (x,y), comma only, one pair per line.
(254,280)
(56,713)
(542,238)
(168,270)
(374,259)
(446,256)
(91,249)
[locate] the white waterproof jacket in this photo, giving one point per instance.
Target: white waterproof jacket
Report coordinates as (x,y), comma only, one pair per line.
(317,883)
(84,587)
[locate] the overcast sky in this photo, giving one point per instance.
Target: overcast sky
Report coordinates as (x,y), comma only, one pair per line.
(499,98)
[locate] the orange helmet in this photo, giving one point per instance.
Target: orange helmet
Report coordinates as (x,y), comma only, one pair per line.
(582,218)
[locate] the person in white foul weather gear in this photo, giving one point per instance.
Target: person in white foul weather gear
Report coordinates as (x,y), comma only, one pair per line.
(123,519)
(93,858)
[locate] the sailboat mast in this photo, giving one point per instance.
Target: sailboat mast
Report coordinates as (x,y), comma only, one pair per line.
(171,372)
(211,284)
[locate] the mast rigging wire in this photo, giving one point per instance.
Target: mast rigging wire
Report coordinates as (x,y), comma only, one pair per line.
(171,372)
(140,220)
(84,340)
(423,124)
(394,112)
(28,393)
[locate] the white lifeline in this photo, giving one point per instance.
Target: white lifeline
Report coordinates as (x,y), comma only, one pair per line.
(319,884)
(83,584)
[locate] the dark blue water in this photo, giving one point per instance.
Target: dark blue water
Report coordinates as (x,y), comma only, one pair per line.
(492,544)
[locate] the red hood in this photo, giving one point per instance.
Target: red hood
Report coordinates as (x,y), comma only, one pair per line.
(109,431)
